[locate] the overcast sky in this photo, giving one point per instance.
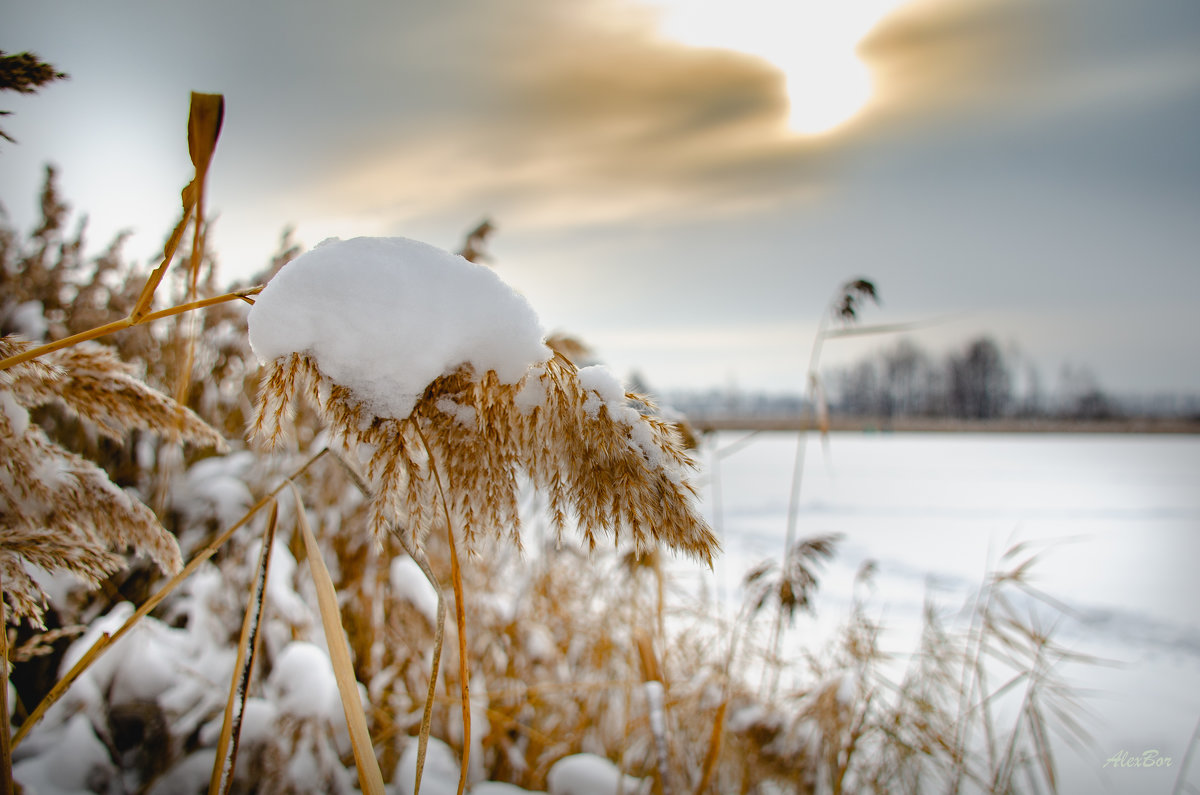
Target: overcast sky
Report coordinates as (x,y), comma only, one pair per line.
(1024,168)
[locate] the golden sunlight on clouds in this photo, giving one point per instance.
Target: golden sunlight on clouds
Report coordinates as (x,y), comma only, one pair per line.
(589,113)
(813,43)
(590,118)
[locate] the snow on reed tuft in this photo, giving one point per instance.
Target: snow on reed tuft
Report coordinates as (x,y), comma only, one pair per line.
(607,392)
(440,776)
(302,683)
(409,583)
(387,316)
(589,774)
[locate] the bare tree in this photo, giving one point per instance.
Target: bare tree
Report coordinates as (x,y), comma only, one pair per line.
(908,380)
(980,385)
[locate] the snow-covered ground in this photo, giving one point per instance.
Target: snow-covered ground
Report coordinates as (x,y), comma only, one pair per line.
(1118,518)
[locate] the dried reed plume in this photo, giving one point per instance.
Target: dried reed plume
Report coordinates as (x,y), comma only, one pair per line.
(61,511)
(618,470)
(24,73)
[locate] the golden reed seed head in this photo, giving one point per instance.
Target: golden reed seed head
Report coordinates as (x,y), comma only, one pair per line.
(59,511)
(623,475)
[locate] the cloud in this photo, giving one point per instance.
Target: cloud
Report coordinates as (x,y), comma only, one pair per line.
(938,55)
(1005,64)
(570,121)
(561,116)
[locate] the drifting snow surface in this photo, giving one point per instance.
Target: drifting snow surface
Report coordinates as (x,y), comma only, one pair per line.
(1114,519)
(386,316)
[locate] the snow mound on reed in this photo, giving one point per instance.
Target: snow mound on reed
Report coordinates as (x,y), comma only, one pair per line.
(589,774)
(387,316)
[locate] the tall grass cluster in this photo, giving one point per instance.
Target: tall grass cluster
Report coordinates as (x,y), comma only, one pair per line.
(188,610)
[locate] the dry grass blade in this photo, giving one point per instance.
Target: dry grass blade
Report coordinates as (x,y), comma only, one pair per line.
(1041,742)
(369,776)
(227,744)
(460,617)
(204,127)
(142,307)
(656,704)
(714,749)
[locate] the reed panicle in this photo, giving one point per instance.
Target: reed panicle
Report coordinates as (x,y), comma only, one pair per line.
(608,469)
(60,510)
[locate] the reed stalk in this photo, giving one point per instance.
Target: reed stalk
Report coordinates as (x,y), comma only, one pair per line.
(239,686)
(439,636)
(6,779)
(460,614)
(128,322)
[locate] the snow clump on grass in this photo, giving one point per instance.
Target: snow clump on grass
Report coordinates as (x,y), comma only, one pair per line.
(387,316)
(435,371)
(589,774)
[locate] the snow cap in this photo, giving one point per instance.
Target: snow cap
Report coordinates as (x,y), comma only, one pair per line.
(385,316)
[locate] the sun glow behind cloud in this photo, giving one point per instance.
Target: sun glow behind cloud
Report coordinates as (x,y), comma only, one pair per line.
(812,42)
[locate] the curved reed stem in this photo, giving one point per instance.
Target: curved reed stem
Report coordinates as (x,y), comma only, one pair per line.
(227,744)
(6,781)
(439,636)
(460,616)
(128,322)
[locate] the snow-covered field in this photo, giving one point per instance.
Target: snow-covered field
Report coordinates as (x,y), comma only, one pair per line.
(1117,518)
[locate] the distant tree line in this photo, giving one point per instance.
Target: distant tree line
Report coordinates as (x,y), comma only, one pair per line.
(975,382)
(979,380)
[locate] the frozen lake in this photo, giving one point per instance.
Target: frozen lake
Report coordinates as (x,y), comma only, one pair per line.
(1118,518)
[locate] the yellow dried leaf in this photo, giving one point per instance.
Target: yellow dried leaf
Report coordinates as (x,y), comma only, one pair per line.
(370,778)
(204,127)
